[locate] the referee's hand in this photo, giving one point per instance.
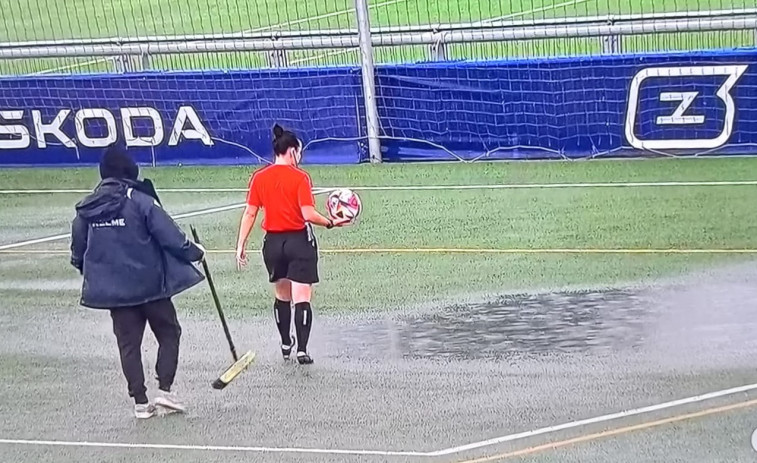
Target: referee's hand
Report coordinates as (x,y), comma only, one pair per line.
(241,258)
(340,222)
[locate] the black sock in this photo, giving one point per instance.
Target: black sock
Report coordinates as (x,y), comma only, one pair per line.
(282,312)
(303,320)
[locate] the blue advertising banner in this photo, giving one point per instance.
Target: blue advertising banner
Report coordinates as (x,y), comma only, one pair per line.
(614,105)
(179,117)
(636,105)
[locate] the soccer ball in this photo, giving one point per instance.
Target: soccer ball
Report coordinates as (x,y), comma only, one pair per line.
(343,203)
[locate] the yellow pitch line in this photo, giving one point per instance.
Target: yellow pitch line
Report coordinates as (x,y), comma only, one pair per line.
(456,251)
(531,251)
(612,432)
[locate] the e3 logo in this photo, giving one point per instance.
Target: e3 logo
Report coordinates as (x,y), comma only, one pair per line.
(686,99)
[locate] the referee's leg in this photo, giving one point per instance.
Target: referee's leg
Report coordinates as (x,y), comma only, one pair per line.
(303,273)
(303,319)
(282,312)
(276,264)
(301,255)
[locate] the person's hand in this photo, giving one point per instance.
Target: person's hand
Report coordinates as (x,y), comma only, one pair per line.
(204,252)
(241,258)
(341,222)
(337,222)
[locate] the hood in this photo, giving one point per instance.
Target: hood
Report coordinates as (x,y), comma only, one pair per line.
(105,202)
(145,186)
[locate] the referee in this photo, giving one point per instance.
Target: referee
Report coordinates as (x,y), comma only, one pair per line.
(290,251)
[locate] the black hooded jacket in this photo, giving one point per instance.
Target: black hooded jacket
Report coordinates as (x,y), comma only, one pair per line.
(129,250)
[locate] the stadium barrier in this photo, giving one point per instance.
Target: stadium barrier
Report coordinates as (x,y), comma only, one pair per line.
(688,103)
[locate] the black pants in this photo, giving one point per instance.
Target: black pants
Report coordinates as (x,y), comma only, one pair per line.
(129,327)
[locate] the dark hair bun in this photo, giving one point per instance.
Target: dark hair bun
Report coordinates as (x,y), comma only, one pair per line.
(283,140)
(277,131)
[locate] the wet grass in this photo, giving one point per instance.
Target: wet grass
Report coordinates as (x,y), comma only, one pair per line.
(507,220)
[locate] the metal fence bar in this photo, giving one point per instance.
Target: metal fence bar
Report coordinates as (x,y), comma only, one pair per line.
(607,19)
(568,31)
(604,19)
(392,39)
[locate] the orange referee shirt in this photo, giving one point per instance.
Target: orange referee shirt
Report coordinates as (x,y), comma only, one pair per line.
(281,190)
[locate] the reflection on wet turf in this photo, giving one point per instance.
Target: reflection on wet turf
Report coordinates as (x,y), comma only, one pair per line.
(527,324)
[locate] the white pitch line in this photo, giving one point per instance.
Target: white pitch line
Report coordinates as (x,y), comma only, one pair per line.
(72,66)
(479,23)
(316,18)
(599,419)
(185,215)
(35,241)
(392,453)
(221,448)
(532,11)
(432,187)
(162,190)
(324,55)
(549,185)
(21,192)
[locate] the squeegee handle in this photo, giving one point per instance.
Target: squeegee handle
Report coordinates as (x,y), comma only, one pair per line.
(215,299)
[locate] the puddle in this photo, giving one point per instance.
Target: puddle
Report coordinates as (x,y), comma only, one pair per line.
(527,324)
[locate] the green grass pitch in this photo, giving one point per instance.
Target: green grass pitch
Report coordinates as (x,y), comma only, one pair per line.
(665,217)
(685,325)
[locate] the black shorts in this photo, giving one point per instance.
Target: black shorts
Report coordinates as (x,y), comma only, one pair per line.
(291,255)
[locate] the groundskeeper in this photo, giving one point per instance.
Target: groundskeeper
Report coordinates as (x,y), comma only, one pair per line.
(134,258)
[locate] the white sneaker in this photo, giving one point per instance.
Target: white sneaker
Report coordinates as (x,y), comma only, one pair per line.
(144,411)
(170,401)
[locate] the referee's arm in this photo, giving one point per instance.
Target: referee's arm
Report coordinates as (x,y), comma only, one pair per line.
(248,217)
(248,221)
(307,205)
(311,215)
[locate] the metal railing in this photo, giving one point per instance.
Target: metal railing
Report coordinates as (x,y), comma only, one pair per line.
(587,27)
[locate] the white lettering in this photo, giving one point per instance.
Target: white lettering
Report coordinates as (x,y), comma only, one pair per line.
(53,128)
(734,72)
(198,132)
(18,136)
(23,141)
(677,118)
(83,115)
(120,222)
(127,114)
